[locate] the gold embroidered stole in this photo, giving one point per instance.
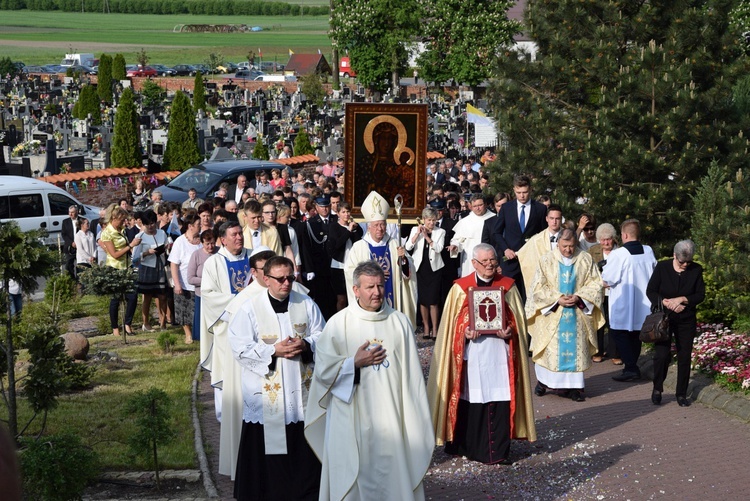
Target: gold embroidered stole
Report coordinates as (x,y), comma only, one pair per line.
(274,422)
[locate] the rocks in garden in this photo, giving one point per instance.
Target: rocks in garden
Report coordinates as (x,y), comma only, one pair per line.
(76,345)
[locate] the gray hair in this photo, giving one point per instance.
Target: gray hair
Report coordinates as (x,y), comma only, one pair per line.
(482,248)
(369,269)
(567,234)
(429,213)
(605,230)
(684,250)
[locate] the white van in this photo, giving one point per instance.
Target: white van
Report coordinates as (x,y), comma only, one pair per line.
(78,60)
(35,204)
(276,78)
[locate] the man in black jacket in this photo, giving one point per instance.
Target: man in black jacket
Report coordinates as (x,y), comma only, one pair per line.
(69,229)
(318,268)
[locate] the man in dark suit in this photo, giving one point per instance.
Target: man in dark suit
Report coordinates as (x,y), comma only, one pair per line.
(516,222)
(318,267)
(69,229)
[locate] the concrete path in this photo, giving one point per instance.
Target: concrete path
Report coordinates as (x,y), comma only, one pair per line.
(615,445)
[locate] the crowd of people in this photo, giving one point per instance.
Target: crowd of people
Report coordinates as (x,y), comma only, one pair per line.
(307,320)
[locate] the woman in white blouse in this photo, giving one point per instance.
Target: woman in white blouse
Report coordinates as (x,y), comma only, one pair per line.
(426,241)
(85,245)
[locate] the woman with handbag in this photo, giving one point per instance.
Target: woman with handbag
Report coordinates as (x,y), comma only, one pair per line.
(152,278)
(678,285)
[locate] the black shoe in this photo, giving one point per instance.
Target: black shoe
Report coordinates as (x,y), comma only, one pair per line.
(540,390)
(683,402)
(624,377)
(577,396)
(656,397)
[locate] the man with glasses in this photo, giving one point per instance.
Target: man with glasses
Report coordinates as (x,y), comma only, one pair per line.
(468,232)
(225,274)
(273,337)
(479,388)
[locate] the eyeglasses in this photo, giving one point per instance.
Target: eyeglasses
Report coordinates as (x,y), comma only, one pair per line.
(487,262)
(684,262)
(589,228)
(281,280)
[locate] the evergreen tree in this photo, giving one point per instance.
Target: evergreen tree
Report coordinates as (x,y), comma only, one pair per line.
(260,152)
(126,144)
(312,88)
(302,144)
(118,68)
(182,138)
(152,95)
(199,94)
(88,104)
(721,231)
(623,109)
(376,34)
(450,54)
(104,81)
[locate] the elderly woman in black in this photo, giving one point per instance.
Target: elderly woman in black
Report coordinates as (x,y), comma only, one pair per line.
(678,285)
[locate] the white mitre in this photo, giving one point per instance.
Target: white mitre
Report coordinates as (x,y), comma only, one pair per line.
(375,207)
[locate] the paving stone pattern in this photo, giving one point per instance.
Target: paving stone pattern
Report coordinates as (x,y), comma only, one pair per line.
(615,445)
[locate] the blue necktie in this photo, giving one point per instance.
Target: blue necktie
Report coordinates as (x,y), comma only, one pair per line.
(523,218)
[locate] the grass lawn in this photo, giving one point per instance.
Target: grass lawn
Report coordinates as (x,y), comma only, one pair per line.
(36,37)
(96,414)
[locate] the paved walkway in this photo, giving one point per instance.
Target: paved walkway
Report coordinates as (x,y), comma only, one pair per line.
(615,445)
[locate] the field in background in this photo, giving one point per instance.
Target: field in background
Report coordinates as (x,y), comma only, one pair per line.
(43,37)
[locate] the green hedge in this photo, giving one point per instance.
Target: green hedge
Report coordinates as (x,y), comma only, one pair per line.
(195,7)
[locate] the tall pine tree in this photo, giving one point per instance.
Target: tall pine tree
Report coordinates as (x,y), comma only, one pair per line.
(104,79)
(182,138)
(623,109)
(126,144)
(88,104)
(199,93)
(118,68)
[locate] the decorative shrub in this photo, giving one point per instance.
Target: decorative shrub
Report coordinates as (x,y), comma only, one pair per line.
(57,467)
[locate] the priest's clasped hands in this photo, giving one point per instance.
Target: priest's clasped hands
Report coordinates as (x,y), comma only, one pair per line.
(471,334)
(568,301)
(369,354)
(289,347)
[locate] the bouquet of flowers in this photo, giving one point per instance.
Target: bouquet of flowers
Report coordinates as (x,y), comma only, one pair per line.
(25,148)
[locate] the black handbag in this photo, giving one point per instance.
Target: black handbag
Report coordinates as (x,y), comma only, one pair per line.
(655,328)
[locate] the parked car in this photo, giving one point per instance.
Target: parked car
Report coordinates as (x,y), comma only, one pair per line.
(226,68)
(53,68)
(207,176)
(203,68)
(244,65)
(79,68)
(141,71)
(271,66)
(248,74)
(35,204)
(163,71)
(33,69)
(184,70)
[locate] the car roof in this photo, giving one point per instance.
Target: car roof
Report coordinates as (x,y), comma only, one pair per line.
(21,182)
(232,165)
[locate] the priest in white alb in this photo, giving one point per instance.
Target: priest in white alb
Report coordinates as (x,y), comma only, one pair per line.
(273,338)
(467,233)
(564,312)
(398,266)
(367,415)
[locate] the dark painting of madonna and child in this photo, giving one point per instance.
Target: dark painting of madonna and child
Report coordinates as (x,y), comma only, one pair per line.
(386,147)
